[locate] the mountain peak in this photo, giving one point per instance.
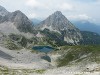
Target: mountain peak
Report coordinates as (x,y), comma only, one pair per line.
(20,20)
(58,12)
(2,8)
(18,12)
(3,11)
(57,22)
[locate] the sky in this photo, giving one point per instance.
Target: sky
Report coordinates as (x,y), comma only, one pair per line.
(72,9)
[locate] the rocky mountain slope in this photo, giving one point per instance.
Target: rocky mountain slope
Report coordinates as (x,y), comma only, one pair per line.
(17,22)
(3,11)
(14,27)
(90,38)
(58,23)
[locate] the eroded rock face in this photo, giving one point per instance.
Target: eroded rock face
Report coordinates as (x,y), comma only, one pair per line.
(57,22)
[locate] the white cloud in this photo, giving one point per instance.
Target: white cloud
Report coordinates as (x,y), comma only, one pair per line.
(80,17)
(36,4)
(66,6)
(32,3)
(50,4)
(32,15)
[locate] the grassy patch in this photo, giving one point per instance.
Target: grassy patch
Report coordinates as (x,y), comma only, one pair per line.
(7,71)
(11,45)
(76,52)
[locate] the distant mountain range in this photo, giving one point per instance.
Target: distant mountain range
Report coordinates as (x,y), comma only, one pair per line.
(35,21)
(84,25)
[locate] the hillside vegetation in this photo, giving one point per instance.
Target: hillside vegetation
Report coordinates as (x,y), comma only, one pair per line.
(79,53)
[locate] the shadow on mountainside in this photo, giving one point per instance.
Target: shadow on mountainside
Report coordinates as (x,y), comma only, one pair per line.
(5,56)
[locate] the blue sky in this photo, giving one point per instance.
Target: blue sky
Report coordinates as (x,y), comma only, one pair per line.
(72,9)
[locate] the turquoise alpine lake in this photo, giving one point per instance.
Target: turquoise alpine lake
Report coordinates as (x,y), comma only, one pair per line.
(44,49)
